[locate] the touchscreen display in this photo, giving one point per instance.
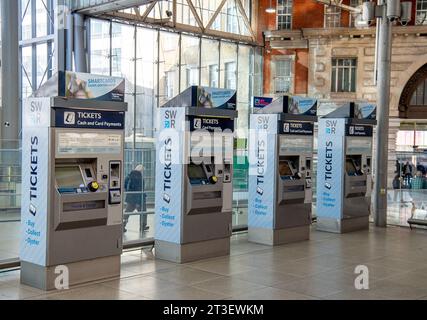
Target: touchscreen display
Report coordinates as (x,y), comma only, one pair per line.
(285,169)
(68,177)
(196,171)
(350,167)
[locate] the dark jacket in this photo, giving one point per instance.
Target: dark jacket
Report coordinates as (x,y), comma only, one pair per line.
(134,186)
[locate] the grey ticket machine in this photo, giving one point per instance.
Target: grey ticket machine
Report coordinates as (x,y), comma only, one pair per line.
(280,170)
(72,181)
(344,174)
(194,175)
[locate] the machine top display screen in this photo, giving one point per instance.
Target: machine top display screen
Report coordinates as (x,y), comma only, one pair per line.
(285,169)
(350,168)
(196,171)
(69,177)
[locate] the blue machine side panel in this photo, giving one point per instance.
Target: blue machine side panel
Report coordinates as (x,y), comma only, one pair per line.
(169,174)
(262,170)
(35,173)
(330,168)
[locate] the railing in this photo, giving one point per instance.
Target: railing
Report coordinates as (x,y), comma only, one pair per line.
(10,179)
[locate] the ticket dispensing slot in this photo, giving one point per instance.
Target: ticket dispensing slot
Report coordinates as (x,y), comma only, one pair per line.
(308,180)
(79,199)
(355,179)
(115,182)
(227,171)
(206,187)
(368,166)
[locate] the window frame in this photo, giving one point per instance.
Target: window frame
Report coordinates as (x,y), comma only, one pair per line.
(284,4)
(230,75)
(213,69)
(417,11)
(340,69)
(326,14)
(275,76)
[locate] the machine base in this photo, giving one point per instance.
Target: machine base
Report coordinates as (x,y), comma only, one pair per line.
(345,225)
(182,253)
(281,236)
(79,272)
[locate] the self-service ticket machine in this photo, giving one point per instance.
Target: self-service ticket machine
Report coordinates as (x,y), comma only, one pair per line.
(72,180)
(344,174)
(280,170)
(194,175)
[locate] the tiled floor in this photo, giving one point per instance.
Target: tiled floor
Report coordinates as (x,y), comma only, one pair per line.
(322,268)
(401,205)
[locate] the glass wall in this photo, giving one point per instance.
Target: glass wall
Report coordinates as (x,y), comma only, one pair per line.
(36,44)
(36,36)
(157,66)
(408,197)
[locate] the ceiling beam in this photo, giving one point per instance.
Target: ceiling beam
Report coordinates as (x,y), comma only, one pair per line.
(168,24)
(196,15)
(245,18)
(109,6)
(217,12)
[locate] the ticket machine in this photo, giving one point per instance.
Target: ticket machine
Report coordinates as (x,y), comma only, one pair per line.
(280,170)
(72,180)
(194,175)
(344,169)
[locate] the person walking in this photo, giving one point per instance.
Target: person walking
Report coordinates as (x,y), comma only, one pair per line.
(407,171)
(135,197)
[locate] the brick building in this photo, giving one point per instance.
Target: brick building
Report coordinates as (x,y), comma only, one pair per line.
(316,50)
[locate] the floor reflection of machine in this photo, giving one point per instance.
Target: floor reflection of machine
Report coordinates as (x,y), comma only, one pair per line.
(194,189)
(344,169)
(72,172)
(280,180)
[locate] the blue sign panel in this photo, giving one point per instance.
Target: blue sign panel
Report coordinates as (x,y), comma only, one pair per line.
(88,119)
(365,111)
(87,86)
(169,175)
(330,168)
(302,106)
(261,102)
(262,170)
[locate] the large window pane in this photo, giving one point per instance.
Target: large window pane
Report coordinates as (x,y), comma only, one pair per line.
(146,82)
(100,47)
(244,88)
(42,63)
(26,20)
(169,71)
(27,71)
(190,67)
(228,66)
(41,18)
(210,63)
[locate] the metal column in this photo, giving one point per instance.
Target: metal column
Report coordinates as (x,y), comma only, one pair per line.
(383,103)
(61,12)
(80,54)
(10,123)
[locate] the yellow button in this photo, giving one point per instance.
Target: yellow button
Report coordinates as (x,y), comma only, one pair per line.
(93,186)
(214,179)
